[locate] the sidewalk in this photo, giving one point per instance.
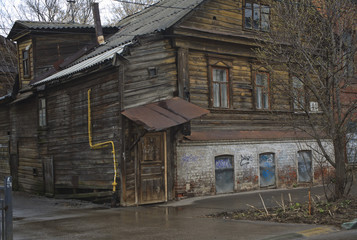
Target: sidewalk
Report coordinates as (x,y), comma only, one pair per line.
(42,218)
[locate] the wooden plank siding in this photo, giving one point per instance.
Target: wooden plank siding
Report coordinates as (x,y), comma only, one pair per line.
(213,32)
(139,87)
(54,48)
(4,142)
(77,167)
(24,145)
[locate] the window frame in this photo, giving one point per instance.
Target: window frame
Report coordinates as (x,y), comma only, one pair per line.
(301,94)
(222,62)
(267,91)
(347,55)
(220,83)
(26,71)
(261,6)
(42,112)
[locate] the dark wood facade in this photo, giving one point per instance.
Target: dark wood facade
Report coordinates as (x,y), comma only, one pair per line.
(55,158)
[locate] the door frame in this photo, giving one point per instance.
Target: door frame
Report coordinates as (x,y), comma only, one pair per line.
(137,169)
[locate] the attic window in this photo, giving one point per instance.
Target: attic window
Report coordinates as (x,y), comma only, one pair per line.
(26,63)
(152,71)
(256,16)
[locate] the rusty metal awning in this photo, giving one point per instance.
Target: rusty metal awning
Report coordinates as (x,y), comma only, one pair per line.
(164,114)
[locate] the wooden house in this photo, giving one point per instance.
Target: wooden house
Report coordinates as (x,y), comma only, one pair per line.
(174,104)
(42,49)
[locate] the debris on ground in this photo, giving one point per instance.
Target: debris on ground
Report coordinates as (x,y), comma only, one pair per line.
(318,212)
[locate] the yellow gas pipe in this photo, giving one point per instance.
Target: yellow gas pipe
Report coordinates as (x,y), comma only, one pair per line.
(101,145)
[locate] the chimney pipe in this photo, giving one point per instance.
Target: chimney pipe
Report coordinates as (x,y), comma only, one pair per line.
(97,23)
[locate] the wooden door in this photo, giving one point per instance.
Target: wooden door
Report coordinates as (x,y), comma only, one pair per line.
(152,168)
(48,176)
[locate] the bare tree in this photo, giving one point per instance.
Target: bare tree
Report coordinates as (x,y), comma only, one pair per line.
(315,42)
(78,11)
(8,65)
(123,8)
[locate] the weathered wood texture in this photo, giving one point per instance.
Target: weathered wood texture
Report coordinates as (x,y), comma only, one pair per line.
(214,36)
(24,145)
(139,87)
(25,45)
(76,166)
(54,48)
(4,142)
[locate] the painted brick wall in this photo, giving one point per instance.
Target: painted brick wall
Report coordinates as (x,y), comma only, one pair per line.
(196,165)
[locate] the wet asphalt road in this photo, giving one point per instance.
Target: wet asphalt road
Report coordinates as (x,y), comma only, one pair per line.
(42,218)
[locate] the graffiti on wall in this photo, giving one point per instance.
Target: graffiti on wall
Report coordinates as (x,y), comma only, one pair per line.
(245,160)
(224,163)
(267,169)
(189,158)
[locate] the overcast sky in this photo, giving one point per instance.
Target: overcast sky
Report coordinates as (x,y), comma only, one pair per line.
(10,5)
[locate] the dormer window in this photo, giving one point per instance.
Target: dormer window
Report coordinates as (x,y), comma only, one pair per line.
(26,63)
(256,16)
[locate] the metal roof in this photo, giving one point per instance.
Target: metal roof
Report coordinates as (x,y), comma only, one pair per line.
(157,17)
(83,65)
(51,25)
(164,114)
(20,26)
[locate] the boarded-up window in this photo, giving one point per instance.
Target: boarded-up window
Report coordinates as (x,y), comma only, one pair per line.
(305,166)
(42,112)
(256,16)
(224,172)
(267,169)
(262,90)
(220,87)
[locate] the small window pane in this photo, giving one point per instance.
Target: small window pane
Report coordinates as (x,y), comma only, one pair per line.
(42,112)
(248,18)
(220,75)
(265,9)
(265,22)
(259,98)
(266,101)
(224,97)
(262,80)
(256,16)
(216,98)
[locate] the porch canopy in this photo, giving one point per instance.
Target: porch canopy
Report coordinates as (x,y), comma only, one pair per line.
(164,114)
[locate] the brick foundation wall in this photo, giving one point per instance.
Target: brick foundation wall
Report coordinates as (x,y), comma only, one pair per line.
(196,165)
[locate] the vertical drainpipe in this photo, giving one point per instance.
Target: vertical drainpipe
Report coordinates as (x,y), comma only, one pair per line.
(97,23)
